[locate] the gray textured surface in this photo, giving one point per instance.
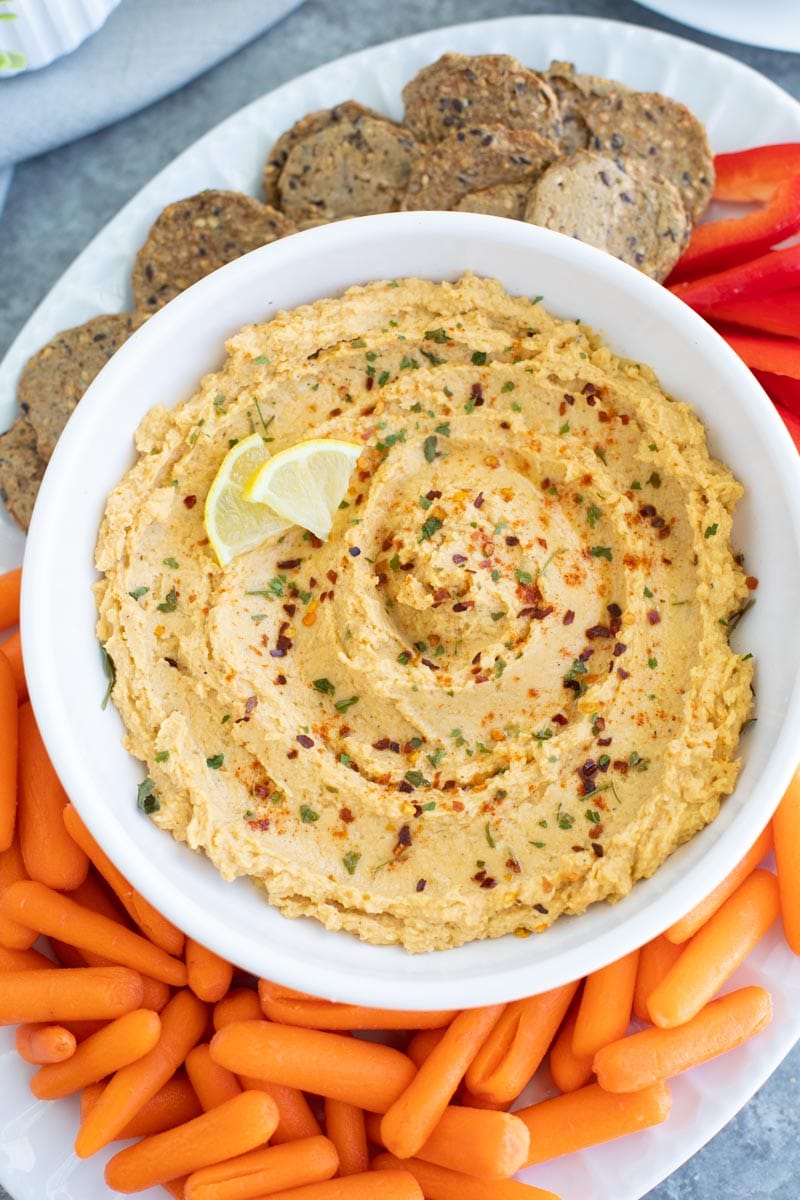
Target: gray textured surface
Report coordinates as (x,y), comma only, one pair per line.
(59,201)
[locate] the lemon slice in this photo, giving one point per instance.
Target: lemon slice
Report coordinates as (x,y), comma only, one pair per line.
(232,523)
(306,483)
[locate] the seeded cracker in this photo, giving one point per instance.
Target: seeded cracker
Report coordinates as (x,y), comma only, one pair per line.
(661,133)
(637,217)
(53,381)
(501,200)
(460,91)
(474,159)
(195,236)
(21,470)
(347,169)
(574,92)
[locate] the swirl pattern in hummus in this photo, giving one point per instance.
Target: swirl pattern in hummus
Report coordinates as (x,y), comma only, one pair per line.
(502,689)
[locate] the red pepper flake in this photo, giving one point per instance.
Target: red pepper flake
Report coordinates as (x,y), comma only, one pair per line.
(305,741)
(292,753)
(381,744)
(623,674)
(421,884)
(171,662)
(605,741)
(478,501)
(250,704)
(489,882)
(346,816)
(461,606)
(619,648)
(513,865)
(404,786)
(289,564)
(540,908)
(459,558)
(315,541)
(752,583)
(598,631)
(290,609)
(588,389)
(559,719)
(586,654)
(536,612)
(569,617)
(654,617)
(403,839)
(476,392)
(262,824)
(598,849)
(190,501)
(261,790)
(512,541)
(280,680)
(369,383)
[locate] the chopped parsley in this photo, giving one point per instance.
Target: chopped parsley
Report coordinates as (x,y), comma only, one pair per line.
(407,363)
(436,335)
(261,361)
(508,386)
(162,756)
(350,861)
(711,530)
(325,686)
(429,528)
(215,762)
(171,562)
(169,603)
(416,779)
(383,378)
(146,797)
(479,358)
(343,705)
(601,552)
(110,672)
(307,815)
(564,819)
(523,576)
(593,515)
(489,838)
(137,593)
(429,448)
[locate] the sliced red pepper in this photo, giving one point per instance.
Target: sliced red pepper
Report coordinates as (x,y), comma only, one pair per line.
(791,422)
(755,174)
(772,314)
(779,356)
(721,244)
(775,271)
(783,391)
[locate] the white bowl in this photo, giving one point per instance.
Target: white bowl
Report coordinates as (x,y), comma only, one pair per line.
(162,364)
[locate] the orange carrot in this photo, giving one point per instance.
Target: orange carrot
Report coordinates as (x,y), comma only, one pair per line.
(413,1116)
(158,929)
(372,1185)
(240,1004)
(296,1008)
(786,828)
(716,950)
(510,1056)
(176,1188)
(440,1184)
(330,1064)
(183,1022)
(9,746)
(233,1128)
(22,960)
(569,1071)
(422,1044)
(683,929)
(11,650)
(644,1058)
(605,1008)
(57,995)
(49,853)
(590,1116)
(213,1083)
(93,893)
(57,916)
(344,1125)
(209,975)
(156,994)
(296,1118)
(40,1043)
(173,1104)
(12,870)
(121,1042)
(477,1142)
(261,1172)
(10,586)
(655,959)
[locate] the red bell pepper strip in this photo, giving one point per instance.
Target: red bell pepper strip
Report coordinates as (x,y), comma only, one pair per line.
(755,174)
(775,271)
(792,423)
(784,392)
(772,314)
(779,356)
(721,244)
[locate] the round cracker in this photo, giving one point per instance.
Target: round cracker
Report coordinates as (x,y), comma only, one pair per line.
(348,110)
(471,160)
(21,471)
(574,91)
(660,132)
(53,380)
(194,237)
(637,217)
(460,91)
(502,200)
(347,169)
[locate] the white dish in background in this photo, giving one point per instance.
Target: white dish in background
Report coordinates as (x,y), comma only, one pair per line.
(44,30)
(740,108)
(774,24)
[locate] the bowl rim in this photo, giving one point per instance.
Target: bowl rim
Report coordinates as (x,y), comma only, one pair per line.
(186,911)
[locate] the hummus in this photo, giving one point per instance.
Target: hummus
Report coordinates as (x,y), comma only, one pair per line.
(503,689)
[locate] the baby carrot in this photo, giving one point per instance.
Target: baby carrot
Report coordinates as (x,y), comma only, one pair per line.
(173,1104)
(590,1116)
(94,894)
(57,916)
(115,1045)
(644,1058)
(655,959)
(605,1008)
(422,1043)
(49,853)
(22,960)
(296,1008)
(569,1070)
(9,746)
(477,1142)
(233,1128)
(440,1184)
(240,1004)
(344,1125)
(183,1022)
(687,926)
(40,1043)
(716,950)
(153,925)
(261,1172)
(11,650)
(156,993)
(330,1064)
(12,870)
(510,1056)
(57,995)
(214,1084)
(372,1185)
(413,1116)
(786,827)
(209,975)
(296,1118)
(10,585)
(176,1188)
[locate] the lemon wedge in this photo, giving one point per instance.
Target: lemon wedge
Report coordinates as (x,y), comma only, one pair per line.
(306,483)
(234,524)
